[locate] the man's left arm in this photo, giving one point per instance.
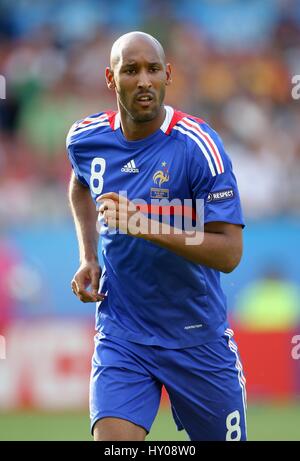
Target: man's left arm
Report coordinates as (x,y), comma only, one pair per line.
(220,248)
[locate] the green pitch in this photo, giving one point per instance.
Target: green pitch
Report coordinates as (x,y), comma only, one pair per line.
(265,422)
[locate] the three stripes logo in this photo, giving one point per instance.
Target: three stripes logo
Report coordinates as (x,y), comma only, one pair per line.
(130,167)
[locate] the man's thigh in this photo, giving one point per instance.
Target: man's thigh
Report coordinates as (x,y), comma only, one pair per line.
(117,429)
(206,386)
(122,388)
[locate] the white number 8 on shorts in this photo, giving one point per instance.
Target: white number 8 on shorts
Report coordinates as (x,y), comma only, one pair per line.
(233,426)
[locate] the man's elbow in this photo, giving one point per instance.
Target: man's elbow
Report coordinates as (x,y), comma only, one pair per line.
(231,261)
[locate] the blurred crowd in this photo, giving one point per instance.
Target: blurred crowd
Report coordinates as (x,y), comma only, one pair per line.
(233,63)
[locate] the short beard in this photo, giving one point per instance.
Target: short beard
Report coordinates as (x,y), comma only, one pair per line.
(143,117)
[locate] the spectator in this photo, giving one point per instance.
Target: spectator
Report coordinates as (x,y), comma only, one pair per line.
(269,304)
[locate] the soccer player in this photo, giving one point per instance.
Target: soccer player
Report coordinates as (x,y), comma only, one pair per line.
(161,312)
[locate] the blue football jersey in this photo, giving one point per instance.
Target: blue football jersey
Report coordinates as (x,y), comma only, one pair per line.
(153,295)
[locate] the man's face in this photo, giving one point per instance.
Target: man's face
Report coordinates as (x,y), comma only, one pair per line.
(140,76)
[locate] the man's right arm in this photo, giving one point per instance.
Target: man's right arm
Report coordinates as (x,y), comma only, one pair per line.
(85,217)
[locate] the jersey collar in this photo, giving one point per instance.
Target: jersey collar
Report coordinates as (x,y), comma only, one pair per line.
(164,127)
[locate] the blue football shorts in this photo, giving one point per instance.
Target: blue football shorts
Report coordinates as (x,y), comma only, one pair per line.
(205,384)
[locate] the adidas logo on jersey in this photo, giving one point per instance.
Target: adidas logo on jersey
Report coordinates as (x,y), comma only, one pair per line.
(130,167)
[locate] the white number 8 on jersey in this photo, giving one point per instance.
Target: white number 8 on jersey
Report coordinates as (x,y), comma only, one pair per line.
(96,180)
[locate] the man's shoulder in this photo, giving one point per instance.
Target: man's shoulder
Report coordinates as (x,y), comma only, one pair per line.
(101,122)
(202,142)
(187,124)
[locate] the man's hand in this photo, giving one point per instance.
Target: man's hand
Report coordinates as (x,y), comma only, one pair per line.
(87,275)
(120,213)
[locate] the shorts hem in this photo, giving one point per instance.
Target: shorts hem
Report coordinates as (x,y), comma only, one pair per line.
(120,416)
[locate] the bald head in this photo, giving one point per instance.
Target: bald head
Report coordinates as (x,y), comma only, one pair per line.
(132,40)
(138,74)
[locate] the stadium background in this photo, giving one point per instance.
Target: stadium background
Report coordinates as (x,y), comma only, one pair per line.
(233,66)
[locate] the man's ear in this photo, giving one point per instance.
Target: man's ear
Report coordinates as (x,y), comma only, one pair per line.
(169,74)
(109,76)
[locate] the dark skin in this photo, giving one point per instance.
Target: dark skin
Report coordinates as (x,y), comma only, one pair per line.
(138,69)
(139,76)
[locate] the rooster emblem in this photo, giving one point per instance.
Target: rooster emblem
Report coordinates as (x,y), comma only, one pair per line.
(161,176)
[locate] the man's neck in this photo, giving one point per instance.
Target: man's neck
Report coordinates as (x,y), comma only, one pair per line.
(134,131)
